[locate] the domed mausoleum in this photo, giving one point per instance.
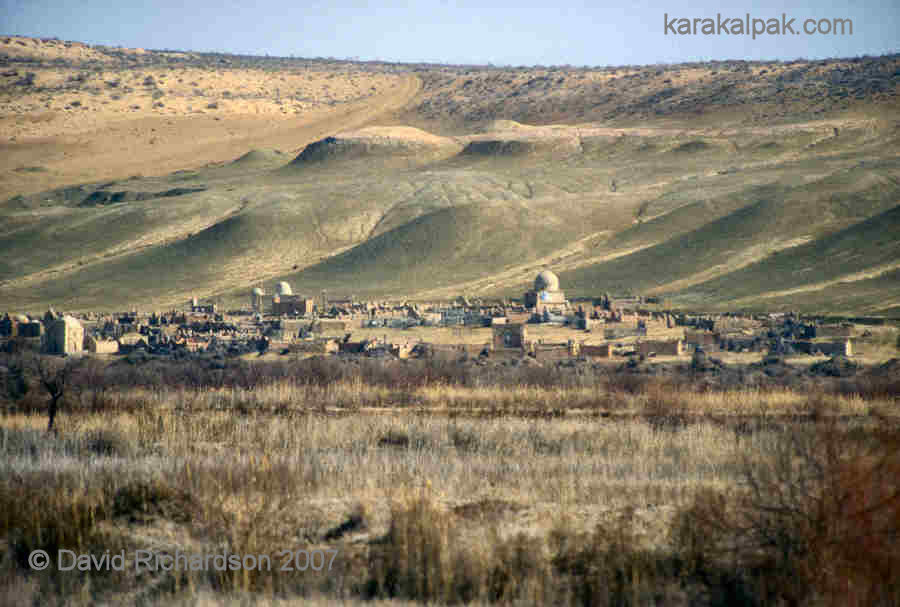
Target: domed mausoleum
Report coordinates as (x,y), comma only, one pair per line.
(285,303)
(546,294)
(546,281)
(256,299)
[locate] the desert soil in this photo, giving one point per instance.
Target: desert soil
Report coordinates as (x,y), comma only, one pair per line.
(87,130)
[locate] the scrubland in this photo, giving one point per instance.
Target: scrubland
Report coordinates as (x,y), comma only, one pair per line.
(455,482)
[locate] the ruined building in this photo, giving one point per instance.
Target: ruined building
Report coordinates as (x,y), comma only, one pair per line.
(64,335)
(202,308)
(292,305)
(512,335)
(285,303)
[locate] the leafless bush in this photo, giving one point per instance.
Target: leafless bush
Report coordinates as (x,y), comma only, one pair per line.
(54,376)
(817,523)
(609,567)
(50,514)
(423,558)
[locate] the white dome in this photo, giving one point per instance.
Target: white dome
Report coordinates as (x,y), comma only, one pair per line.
(546,281)
(283,288)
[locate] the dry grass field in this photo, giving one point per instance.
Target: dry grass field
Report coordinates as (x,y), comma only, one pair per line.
(448,483)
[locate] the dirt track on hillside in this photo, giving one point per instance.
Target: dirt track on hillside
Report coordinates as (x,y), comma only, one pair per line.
(158,145)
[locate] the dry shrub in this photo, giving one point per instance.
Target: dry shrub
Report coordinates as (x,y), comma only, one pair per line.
(249,508)
(139,500)
(464,440)
(414,561)
(394,438)
(425,557)
(818,523)
(626,383)
(38,515)
(96,385)
(53,513)
(609,566)
(665,408)
(108,443)
(545,376)
(877,382)
(18,442)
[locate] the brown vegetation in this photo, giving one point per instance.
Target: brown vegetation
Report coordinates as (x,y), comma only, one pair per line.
(455,483)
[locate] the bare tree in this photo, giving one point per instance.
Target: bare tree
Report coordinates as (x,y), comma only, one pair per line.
(54,375)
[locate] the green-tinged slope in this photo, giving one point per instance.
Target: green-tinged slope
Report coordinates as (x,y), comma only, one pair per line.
(446,246)
(234,249)
(877,296)
(861,248)
(398,212)
(777,218)
(149,274)
(31,241)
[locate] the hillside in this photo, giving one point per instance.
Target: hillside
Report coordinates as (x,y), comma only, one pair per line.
(772,223)
(720,185)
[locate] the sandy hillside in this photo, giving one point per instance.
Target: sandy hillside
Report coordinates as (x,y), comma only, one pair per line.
(83,115)
(21,47)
